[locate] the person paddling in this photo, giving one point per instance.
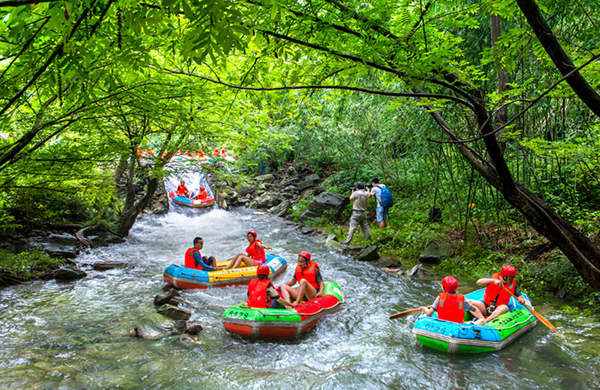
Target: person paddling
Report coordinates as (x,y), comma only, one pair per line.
(262,294)
(309,279)
(255,253)
(195,260)
(495,299)
(451,306)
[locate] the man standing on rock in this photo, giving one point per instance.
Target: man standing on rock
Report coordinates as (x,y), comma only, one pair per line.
(359,212)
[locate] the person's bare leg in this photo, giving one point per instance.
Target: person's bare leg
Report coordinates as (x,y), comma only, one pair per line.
(309,290)
(499,310)
(289,292)
(478,304)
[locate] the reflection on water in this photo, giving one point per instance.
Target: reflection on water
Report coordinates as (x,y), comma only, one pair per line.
(75,336)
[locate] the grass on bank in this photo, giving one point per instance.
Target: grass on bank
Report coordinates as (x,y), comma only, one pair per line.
(26,266)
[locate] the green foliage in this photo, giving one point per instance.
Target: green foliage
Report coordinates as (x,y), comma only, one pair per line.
(27,265)
(298,208)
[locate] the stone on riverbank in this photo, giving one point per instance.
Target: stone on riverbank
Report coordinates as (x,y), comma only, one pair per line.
(368,253)
(174,312)
(160,300)
(435,252)
(65,274)
(281,209)
(327,201)
(188,327)
(58,245)
(107,266)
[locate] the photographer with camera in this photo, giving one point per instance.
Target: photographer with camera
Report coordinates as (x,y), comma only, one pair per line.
(359,212)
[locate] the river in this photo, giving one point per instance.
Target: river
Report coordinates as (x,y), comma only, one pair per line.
(75,335)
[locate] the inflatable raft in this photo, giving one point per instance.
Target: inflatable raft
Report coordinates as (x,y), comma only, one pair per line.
(469,338)
(187,278)
(282,323)
(194,203)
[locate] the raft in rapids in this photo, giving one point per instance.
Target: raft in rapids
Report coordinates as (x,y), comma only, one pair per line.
(194,203)
(184,278)
(453,337)
(256,323)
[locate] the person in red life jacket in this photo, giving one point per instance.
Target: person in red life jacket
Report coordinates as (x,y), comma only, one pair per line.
(262,294)
(309,279)
(216,153)
(202,194)
(451,306)
(201,154)
(495,299)
(182,190)
(195,260)
(255,253)
(223,153)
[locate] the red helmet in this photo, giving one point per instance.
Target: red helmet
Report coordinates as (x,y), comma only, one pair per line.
(252,232)
(263,270)
(508,270)
(306,255)
(449,284)
(202,188)
(183,182)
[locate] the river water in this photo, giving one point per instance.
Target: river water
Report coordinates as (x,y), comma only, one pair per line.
(75,335)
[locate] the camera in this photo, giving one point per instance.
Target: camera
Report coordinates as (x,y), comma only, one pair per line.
(352,188)
(370,186)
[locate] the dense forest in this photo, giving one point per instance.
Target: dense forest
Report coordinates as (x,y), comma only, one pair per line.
(488,110)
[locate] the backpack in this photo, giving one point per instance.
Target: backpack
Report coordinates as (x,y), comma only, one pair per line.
(386,197)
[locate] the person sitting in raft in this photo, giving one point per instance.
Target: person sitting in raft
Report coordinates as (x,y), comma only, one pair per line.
(262,294)
(195,260)
(309,279)
(202,194)
(182,190)
(223,153)
(216,153)
(495,299)
(451,306)
(255,253)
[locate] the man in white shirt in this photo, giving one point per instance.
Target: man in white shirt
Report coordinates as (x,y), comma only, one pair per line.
(382,212)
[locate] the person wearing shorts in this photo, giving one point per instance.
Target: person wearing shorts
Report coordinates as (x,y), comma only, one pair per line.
(254,256)
(309,279)
(383,213)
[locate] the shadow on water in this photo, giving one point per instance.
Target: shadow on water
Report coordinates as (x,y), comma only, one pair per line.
(75,336)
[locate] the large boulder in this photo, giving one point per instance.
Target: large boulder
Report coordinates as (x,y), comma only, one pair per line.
(268,178)
(281,209)
(368,253)
(435,252)
(327,201)
(246,191)
(65,274)
(268,200)
(308,182)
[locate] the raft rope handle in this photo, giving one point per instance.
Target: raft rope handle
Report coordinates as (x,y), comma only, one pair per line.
(290,314)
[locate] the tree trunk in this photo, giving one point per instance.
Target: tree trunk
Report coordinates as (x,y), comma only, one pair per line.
(502,113)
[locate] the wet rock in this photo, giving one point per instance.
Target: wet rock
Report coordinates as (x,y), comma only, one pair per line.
(352,250)
(246,191)
(387,262)
(281,209)
(174,313)
(307,194)
(59,245)
(332,243)
(319,190)
(188,327)
(307,230)
(153,326)
(160,300)
(68,273)
(268,178)
(327,201)
(368,253)
(107,266)
(176,301)
(308,182)
(269,199)
(435,252)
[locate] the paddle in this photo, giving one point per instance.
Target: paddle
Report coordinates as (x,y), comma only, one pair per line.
(535,314)
(406,313)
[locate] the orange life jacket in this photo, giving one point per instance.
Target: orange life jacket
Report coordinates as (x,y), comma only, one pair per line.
(310,274)
(216,153)
(451,307)
(202,195)
(182,190)
(189,258)
(256,254)
(495,294)
(257,293)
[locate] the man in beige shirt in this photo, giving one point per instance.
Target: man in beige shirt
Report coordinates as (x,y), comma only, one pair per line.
(359,215)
